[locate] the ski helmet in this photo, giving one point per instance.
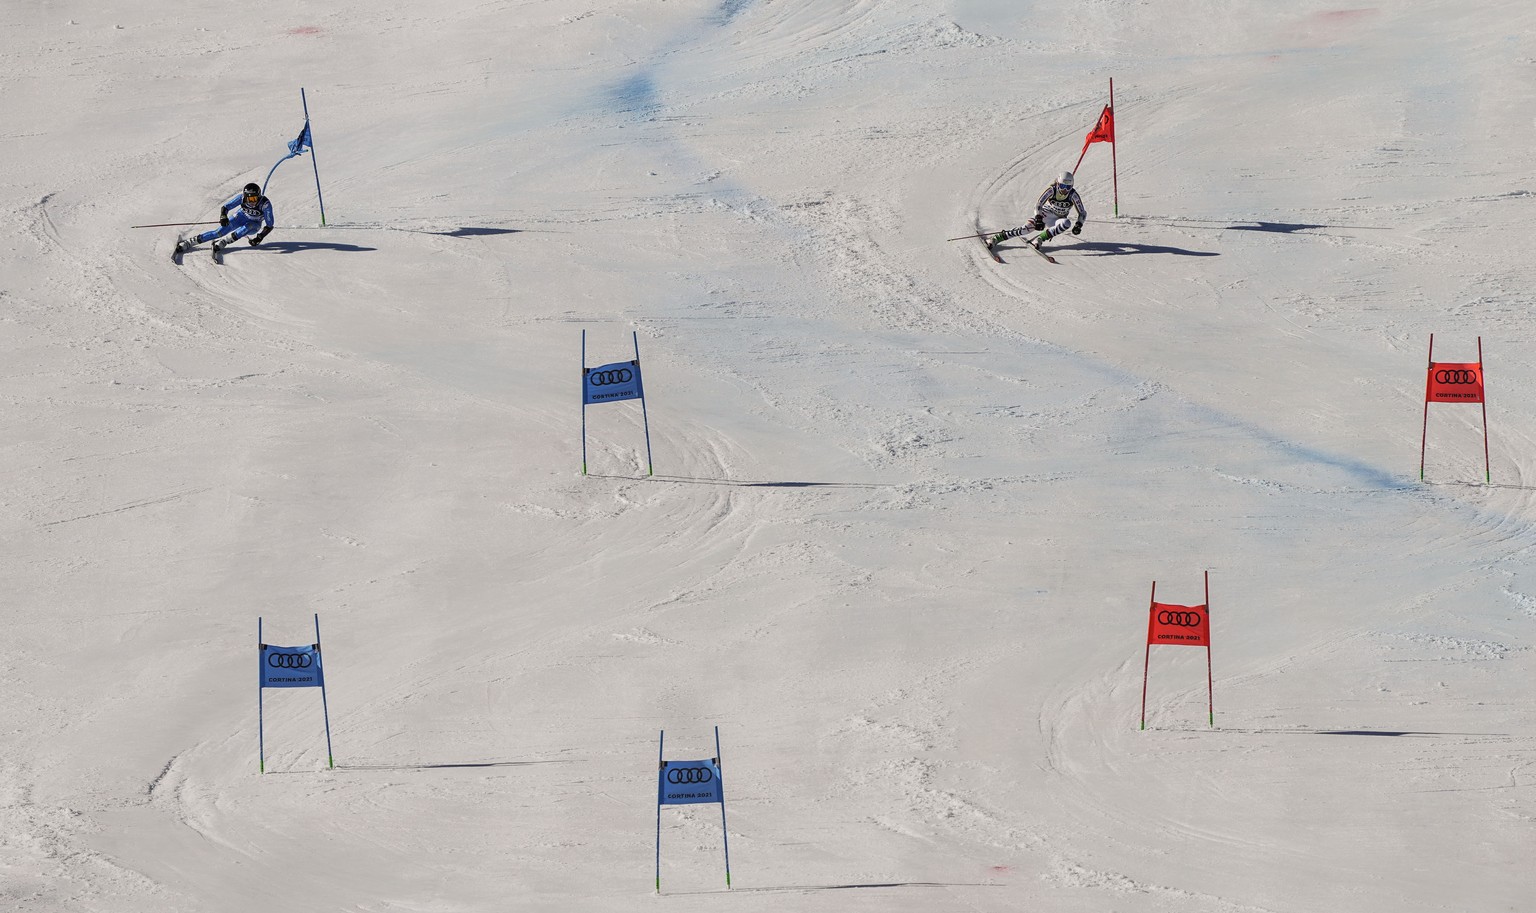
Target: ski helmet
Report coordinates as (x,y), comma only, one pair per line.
(252,191)
(1066,179)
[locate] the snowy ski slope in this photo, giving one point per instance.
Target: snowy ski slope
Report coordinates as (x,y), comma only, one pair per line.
(907,502)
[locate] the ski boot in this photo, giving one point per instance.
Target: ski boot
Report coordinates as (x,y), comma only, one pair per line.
(1002,236)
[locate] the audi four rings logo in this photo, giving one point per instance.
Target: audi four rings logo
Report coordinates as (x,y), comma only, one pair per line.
(1461,376)
(1179,619)
(290,660)
(607,378)
(690,775)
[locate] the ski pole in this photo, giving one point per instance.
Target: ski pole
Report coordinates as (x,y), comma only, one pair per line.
(172,224)
(979,234)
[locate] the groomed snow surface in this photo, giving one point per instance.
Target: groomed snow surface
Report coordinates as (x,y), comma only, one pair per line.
(908,504)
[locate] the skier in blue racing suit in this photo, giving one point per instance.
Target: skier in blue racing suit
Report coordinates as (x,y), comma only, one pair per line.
(252,210)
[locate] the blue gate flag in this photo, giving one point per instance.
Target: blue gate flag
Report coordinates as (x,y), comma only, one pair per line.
(690,783)
(296,146)
(291,667)
(611,383)
(302,144)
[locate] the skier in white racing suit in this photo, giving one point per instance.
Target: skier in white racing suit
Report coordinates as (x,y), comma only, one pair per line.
(1052,215)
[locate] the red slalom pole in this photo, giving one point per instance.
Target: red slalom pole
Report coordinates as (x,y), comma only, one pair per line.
(1487,470)
(1146,663)
(1210,681)
(1424,437)
(1114,166)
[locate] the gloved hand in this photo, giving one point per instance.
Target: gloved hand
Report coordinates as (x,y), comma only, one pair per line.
(259,236)
(223,220)
(1035,224)
(1077,228)
(253,240)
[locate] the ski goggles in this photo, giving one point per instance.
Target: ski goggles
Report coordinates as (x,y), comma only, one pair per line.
(252,197)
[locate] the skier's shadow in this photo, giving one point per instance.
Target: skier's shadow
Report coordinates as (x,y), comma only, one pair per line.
(471,232)
(452,766)
(1119,248)
(740,483)
(290,247)
(1284,228)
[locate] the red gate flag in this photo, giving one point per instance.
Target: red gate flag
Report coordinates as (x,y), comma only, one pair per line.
(1179,625)
(1454,382)
(1103,131)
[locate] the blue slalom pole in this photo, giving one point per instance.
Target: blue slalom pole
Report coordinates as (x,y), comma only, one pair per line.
(261,738)
(330,759)
(584,432)
(268,179)
(312,160)
(661,763)
(649,468)
(724,834)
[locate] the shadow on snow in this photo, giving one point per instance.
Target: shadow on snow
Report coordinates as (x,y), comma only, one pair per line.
(844,887)
(1121,248)
(291,247)
(740,483)
(451,766)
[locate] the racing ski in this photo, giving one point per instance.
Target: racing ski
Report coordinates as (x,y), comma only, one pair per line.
(992,249)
